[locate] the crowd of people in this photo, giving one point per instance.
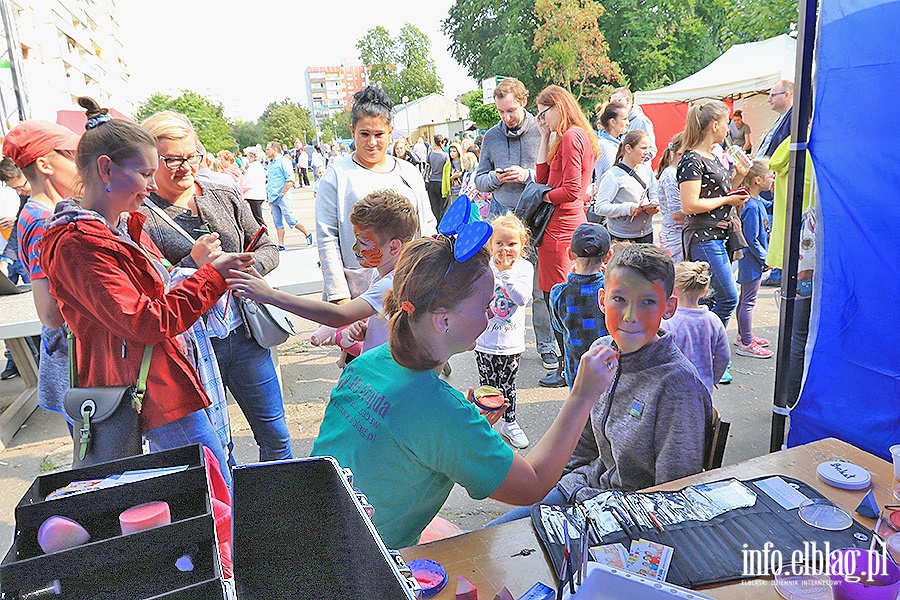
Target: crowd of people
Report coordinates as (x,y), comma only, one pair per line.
(139,242)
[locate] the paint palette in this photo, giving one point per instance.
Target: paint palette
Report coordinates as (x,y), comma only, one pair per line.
(844,475)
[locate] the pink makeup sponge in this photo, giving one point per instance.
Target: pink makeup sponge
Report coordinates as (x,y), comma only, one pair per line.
(145,516)
(61,533)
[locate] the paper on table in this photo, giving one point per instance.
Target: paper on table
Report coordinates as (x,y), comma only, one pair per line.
(649,559)
(781,492)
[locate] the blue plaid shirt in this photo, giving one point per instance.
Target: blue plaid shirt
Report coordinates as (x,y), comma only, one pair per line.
(575,312)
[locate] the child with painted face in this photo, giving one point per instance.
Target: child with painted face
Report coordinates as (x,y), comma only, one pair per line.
(382,221)
(498,349)
(650,426)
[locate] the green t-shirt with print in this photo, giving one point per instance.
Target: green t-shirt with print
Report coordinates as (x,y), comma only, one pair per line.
(408,436)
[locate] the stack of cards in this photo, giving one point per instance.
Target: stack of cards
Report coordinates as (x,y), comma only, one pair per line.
(645,558)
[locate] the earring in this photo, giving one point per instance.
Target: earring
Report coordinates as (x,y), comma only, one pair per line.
(108,190)
(448,330)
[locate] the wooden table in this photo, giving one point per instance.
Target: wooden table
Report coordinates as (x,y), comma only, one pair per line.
(18,320)
(486,558)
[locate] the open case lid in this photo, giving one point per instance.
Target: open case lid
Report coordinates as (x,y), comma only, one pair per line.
(299,532)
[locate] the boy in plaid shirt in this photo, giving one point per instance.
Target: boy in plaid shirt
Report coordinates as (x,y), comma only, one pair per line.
(574,305)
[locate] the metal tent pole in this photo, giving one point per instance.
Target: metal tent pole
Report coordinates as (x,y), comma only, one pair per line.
(803,98)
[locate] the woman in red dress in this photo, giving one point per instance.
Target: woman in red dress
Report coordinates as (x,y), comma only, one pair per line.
(565,164)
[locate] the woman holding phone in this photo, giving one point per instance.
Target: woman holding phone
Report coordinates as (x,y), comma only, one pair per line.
(182,209)
(706,199)
(114,290)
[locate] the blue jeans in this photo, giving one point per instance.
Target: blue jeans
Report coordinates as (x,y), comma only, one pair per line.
(249,375)
(725,293)
(554,496)
(194,428)
(282,211)
(802,310)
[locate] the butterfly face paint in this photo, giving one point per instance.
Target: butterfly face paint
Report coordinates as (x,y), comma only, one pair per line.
(367,249)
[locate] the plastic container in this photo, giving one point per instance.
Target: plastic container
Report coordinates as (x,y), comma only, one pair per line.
(858,574)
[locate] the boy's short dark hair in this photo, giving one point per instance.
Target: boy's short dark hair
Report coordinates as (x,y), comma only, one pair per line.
(387,214)
(652,262)
(8,170)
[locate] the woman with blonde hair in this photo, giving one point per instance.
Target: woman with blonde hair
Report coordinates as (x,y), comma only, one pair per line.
(180,210)
(565,164)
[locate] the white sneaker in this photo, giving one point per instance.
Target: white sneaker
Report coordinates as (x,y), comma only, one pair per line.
(513,434)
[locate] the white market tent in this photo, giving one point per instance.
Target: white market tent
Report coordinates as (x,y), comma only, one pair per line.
(744,73)
(743,70)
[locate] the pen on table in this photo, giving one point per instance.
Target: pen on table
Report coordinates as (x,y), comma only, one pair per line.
(656,522)
(582,572)
(620,518)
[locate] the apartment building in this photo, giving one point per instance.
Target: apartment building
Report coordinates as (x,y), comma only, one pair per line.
(330,89)
(69,48)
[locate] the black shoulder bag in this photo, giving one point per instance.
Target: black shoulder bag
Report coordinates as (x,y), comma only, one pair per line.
(107,419)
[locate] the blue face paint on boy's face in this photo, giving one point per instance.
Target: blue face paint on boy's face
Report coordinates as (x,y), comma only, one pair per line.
(634,308)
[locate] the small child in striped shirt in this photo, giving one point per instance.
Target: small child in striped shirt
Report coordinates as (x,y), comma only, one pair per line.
(698,332)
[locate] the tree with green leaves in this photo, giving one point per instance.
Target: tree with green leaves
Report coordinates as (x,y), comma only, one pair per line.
(494,38)
(654,42)
(484,115)
(573,51)
(286,121)
(207,118)
(248,133)
(401,66)
(336,127)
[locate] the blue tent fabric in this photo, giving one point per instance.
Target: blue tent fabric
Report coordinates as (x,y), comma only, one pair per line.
(852,386)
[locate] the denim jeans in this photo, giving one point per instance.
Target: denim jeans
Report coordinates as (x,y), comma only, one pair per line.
(194,428)
(554,496)
(282,211)
(799,336)
(249,375)
(725,294)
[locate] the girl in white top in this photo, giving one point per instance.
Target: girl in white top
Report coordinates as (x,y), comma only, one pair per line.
(498,349)
(670,201)
(627,193)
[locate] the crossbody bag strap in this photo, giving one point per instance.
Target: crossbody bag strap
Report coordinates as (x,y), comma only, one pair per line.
(633,173)
(141,388)
(73,367)
(169,221)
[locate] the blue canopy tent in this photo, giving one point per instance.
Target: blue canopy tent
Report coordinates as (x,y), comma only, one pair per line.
(852,385)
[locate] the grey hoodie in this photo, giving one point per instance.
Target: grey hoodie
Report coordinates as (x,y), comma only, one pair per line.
(651,427)
(503,148)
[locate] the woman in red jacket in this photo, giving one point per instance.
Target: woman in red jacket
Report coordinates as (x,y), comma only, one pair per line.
(112,286)
(565,164)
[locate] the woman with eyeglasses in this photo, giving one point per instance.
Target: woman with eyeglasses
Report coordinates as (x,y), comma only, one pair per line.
(565,164)
(113,288)
(407,435)
(182,210)
(348,179)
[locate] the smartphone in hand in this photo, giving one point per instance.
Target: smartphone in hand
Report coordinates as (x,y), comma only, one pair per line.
(256,239)
(741,191)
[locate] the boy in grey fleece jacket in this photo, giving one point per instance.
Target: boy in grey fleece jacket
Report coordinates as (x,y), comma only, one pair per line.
(650,426)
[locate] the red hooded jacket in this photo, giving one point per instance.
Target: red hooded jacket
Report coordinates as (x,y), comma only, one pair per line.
(115,301)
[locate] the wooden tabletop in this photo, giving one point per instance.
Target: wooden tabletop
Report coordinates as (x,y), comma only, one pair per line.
(485,557)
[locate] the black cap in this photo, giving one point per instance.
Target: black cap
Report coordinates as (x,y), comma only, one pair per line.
(590,240)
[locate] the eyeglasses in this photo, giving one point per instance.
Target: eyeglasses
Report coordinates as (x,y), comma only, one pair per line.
(20,189)
(176,162)
(540,115)
(773,94)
